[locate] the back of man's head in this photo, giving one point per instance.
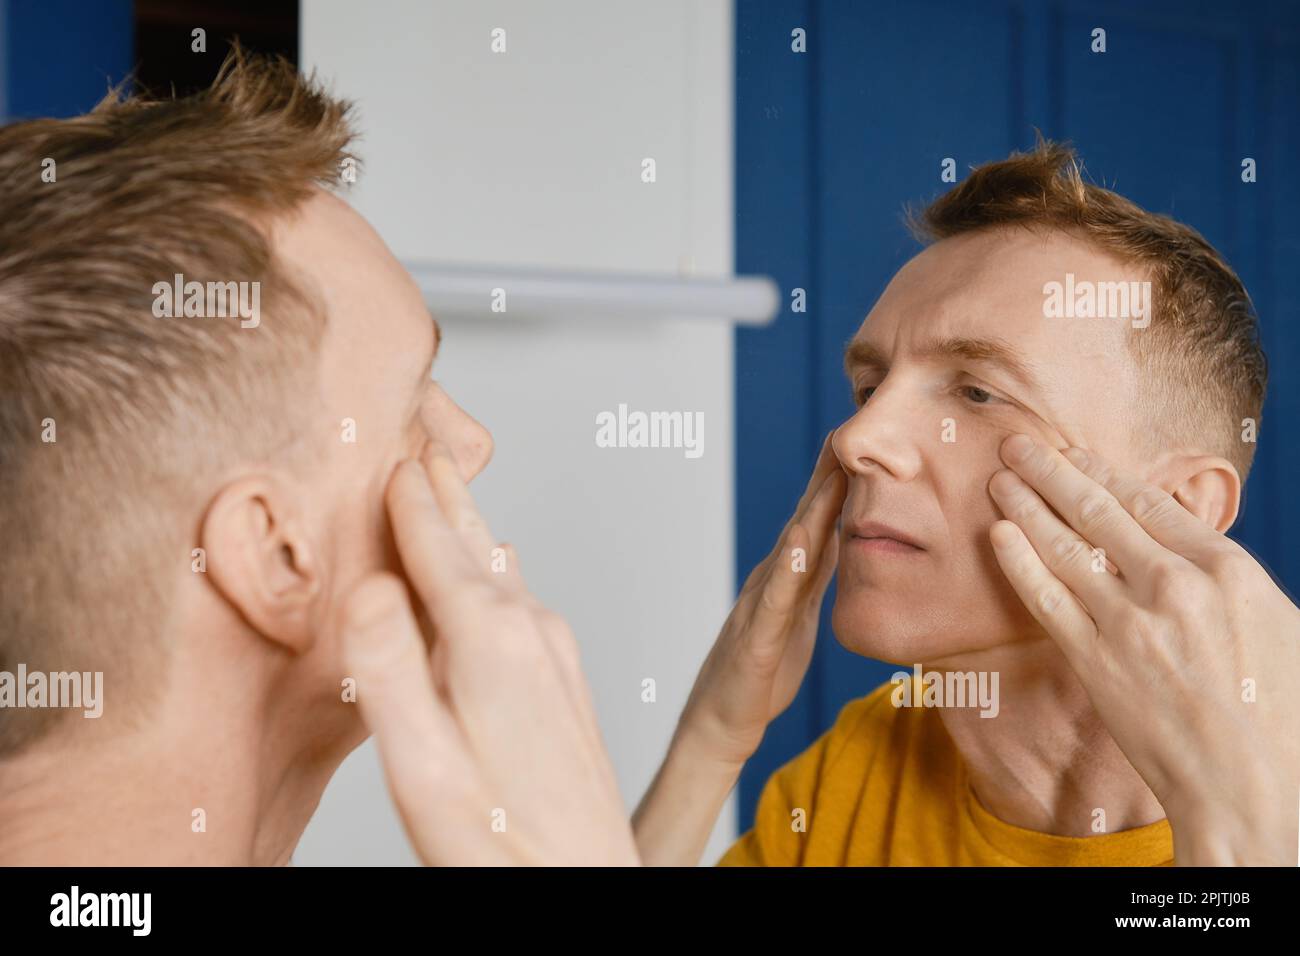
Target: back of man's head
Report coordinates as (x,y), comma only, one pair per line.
(117,421)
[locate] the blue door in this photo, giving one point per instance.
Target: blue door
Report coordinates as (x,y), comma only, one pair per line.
(832,142)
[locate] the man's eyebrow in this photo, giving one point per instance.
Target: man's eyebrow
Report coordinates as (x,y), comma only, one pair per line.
(427,368)
(427,371)
(996,352)
(860,354)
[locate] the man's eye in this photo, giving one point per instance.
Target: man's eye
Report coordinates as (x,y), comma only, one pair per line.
(864,393)
(977,395)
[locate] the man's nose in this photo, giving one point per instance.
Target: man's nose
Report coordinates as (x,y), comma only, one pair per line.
(470,443)
(882,435)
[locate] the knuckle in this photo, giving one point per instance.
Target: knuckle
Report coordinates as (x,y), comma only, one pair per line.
(769,602)
(1150,504)
(1049,600)
(1135,627)
(481,594)
(1162,575)
(1177,585)
(1026,564)
(1046,465)
(1025,510)
(376,600)
(1231,564)
(469,520)
(1095,512)
(1067,549)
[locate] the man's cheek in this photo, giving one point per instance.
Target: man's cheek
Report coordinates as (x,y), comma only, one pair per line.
(975,572)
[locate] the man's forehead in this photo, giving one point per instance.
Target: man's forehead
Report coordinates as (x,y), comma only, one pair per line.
(991,289)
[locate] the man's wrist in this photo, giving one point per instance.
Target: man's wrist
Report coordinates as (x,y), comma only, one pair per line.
(707,749)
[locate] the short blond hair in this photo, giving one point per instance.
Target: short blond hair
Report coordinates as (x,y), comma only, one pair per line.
(145,411)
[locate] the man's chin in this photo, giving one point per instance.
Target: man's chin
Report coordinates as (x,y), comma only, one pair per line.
(890,628)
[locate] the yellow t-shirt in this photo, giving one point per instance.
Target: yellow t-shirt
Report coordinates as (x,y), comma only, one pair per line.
(886,786)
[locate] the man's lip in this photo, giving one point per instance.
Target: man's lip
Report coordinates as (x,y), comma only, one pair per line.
(878,529)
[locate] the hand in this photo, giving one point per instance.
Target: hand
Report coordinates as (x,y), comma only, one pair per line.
(1165,646)
(489,743)
(759,660)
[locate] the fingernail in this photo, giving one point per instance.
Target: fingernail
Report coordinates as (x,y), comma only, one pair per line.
(1017,448)
(1004,482)
(1003,534)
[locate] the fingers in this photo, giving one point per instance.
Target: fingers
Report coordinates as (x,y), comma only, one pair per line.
(1154,509)
(384,652)
(780,593)
(456,502)
(826,464)
(1087,506)
(436,561)
(797,568)
(821,521)
(444,543)
(1049,601)
(826,564)
(505,562)
(824,510)
(1070,558)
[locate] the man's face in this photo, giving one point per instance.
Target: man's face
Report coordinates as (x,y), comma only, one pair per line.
(958,348)
(377,403)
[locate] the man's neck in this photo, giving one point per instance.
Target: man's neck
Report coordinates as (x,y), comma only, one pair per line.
(194,785)
(1046,761)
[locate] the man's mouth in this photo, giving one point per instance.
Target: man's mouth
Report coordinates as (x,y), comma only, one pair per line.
(875,537)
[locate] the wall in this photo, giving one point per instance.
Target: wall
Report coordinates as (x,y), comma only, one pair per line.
(533,158)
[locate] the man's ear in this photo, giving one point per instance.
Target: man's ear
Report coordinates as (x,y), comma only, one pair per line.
(260,559)
(1208,487)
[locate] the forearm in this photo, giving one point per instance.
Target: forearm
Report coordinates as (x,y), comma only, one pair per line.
(676,816)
